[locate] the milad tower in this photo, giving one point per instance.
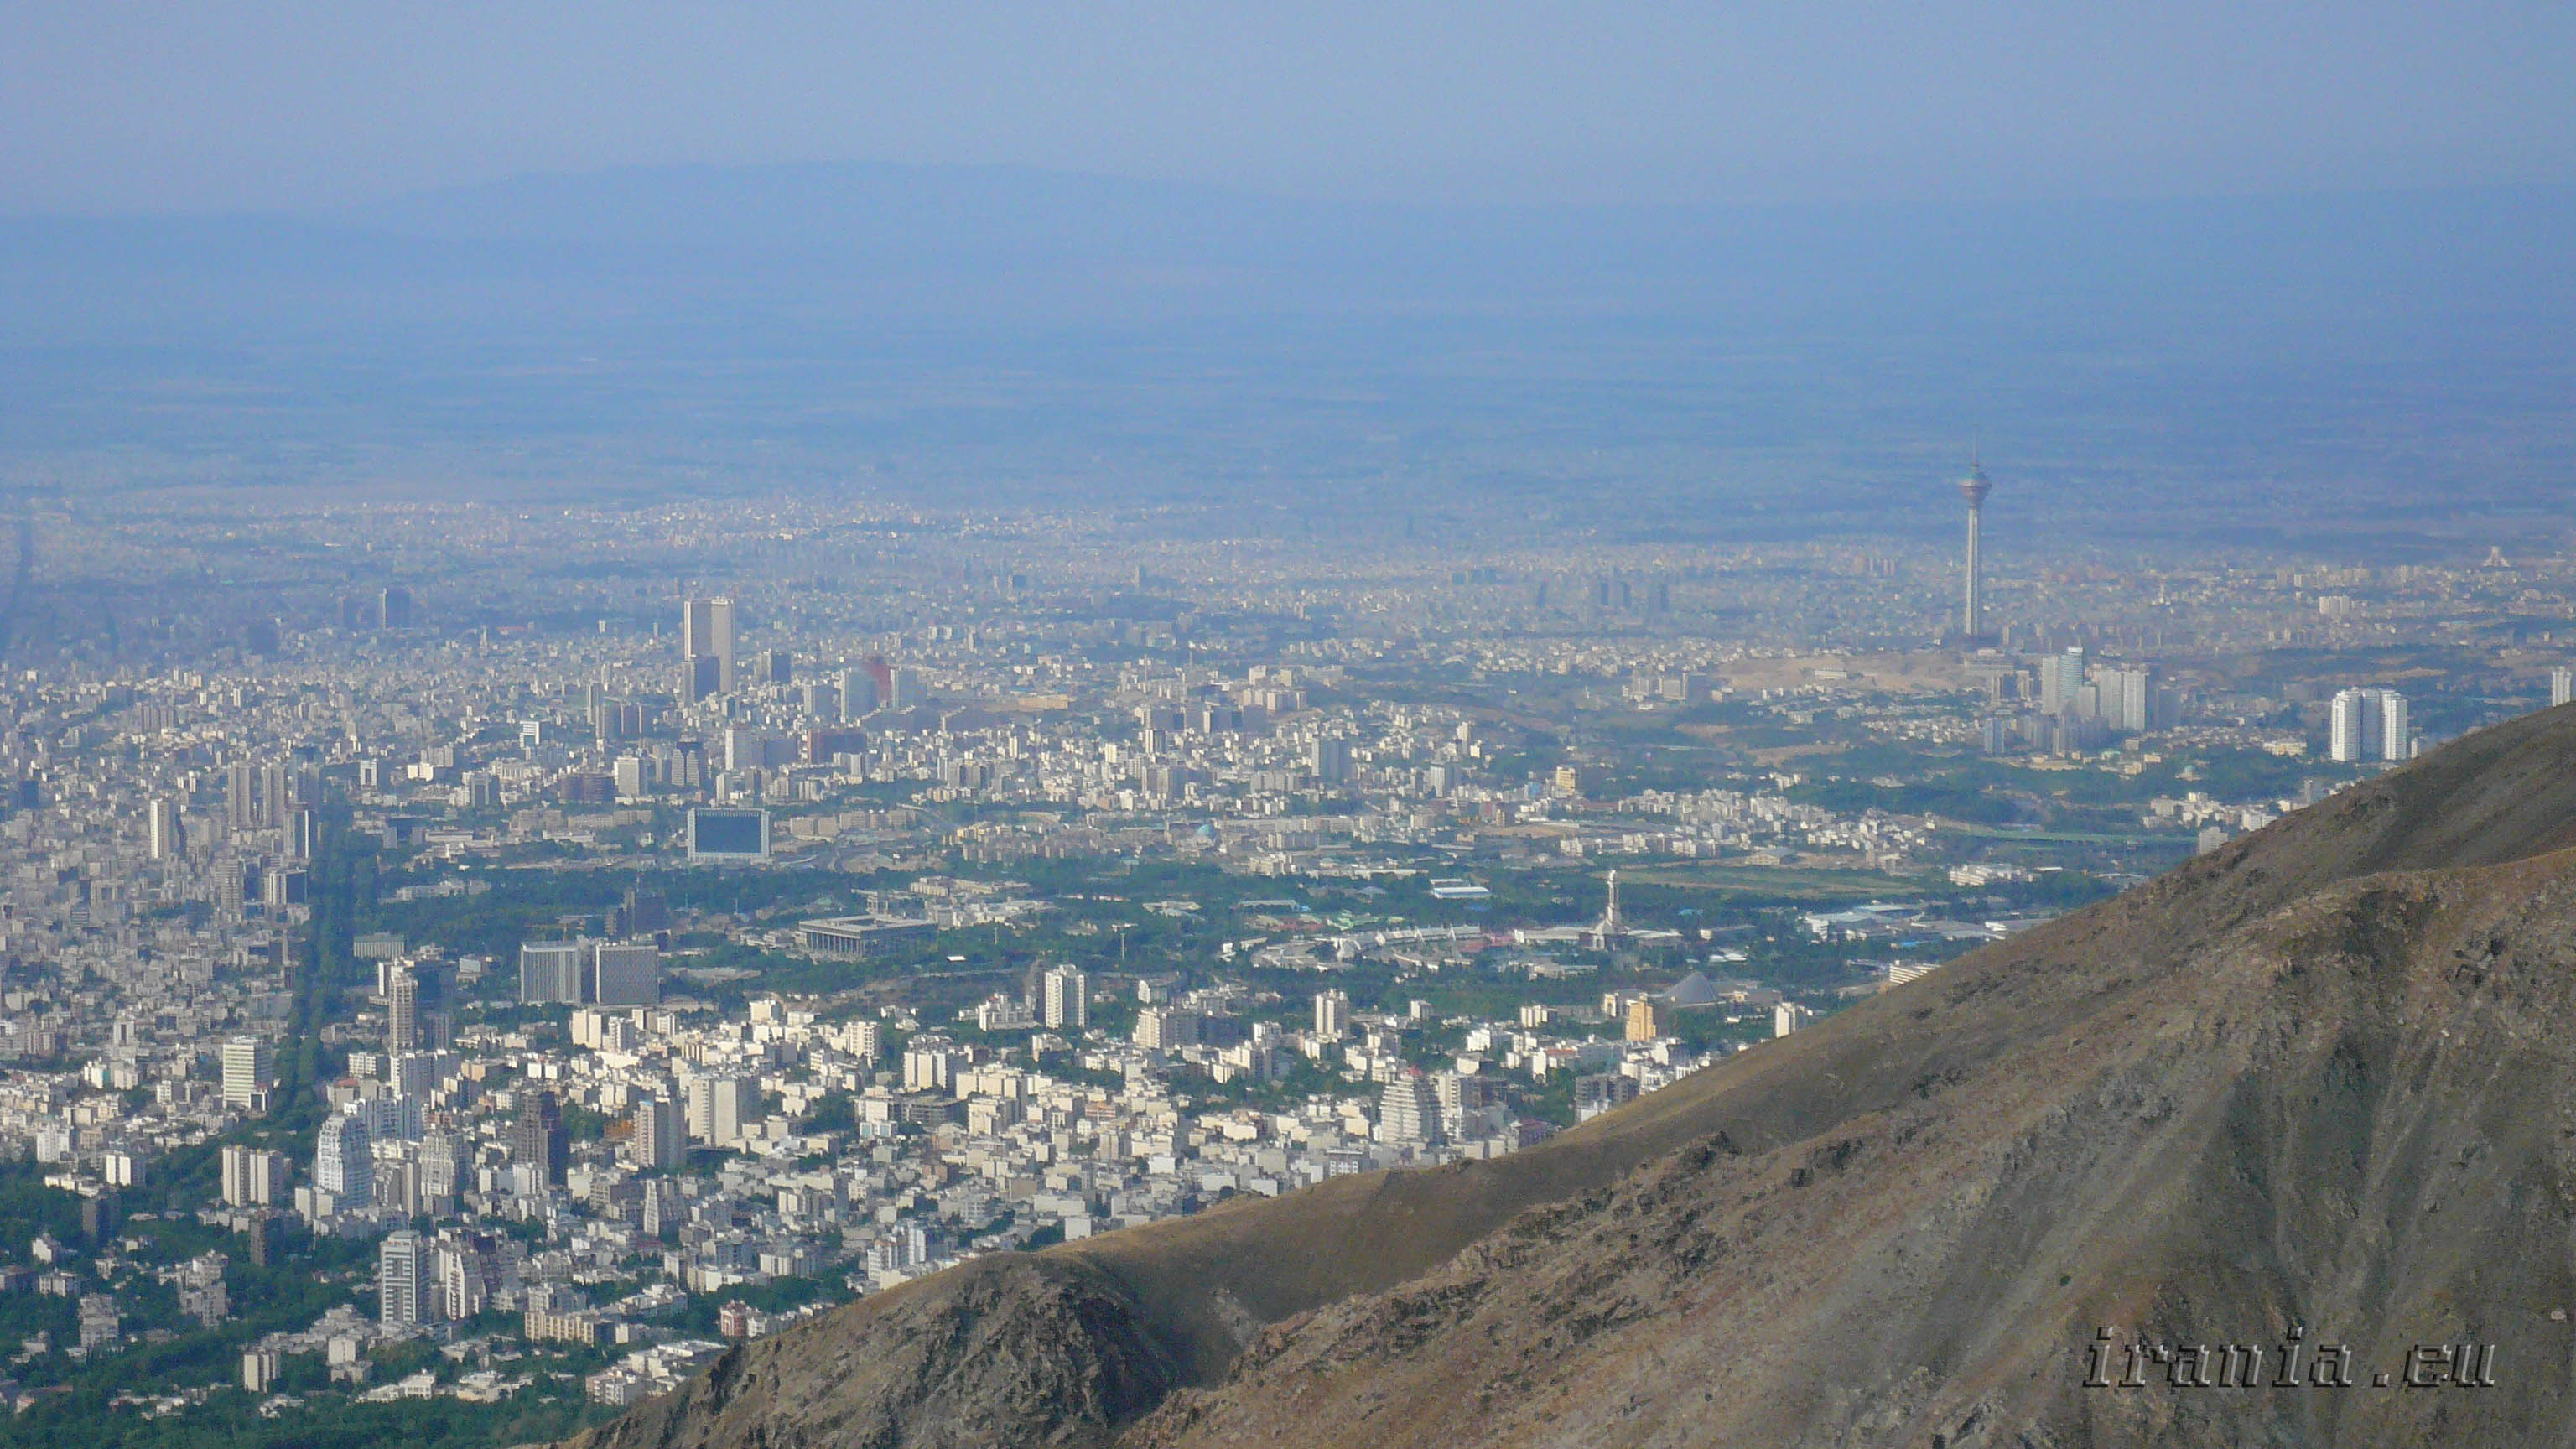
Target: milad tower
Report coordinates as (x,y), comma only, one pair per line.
(1972,614)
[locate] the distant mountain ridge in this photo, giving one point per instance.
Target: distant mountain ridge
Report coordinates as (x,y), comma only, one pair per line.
(2228,370)
(2323,1078)
(981,237)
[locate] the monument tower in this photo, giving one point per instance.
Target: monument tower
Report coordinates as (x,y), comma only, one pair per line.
(1972,614)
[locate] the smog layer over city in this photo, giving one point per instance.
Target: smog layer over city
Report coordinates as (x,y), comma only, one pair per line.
(1164,726)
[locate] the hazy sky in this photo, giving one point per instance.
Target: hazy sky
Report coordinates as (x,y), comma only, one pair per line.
(108,106)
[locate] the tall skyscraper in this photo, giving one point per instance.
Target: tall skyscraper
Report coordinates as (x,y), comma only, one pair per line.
(698,676)
(2061,679)
(276,783)
(660,1136)
(344,1162)
(1409,1112)
(402,1011)
(721,1107)
(251,1177)
(396,606)
(697,624)
(2370,724)
(1972,614)
(249,1063)
(1332,1015)
(707,641)
(241,795)
(463,1287)
(440,1165)
(1067,1003)
(2396,736)
(1330,759)
(2345,727)
(2129,700)
(538,1141)
(403,1280)
(2562,686)
(164,840)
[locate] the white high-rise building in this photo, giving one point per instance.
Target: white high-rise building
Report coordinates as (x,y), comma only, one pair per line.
(2061,679)
(2396,738)
(462,1289)
(164,838)
(251,1177)
(344,1162)
(2129,700)
(439,1165)
(1067,1003)
(707,642)
(721,1107)
(1409,1111)
(2343,730)
(403,1280)
(402,1011)
(2562,686)
(931,1064)
(863,1039)
(249,1064)
(2370,724)
(1332,1015)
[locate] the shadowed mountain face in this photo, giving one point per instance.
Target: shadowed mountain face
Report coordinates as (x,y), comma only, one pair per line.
(2318,1081)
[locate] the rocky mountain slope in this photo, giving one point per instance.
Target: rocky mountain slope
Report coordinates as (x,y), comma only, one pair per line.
(2321,1080)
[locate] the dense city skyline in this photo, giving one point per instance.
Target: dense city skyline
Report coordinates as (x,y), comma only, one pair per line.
(651,923)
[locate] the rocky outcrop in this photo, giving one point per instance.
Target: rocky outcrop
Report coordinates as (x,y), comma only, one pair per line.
(1018,1350)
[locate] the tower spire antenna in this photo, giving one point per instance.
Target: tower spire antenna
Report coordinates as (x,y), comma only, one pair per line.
(1974,488)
